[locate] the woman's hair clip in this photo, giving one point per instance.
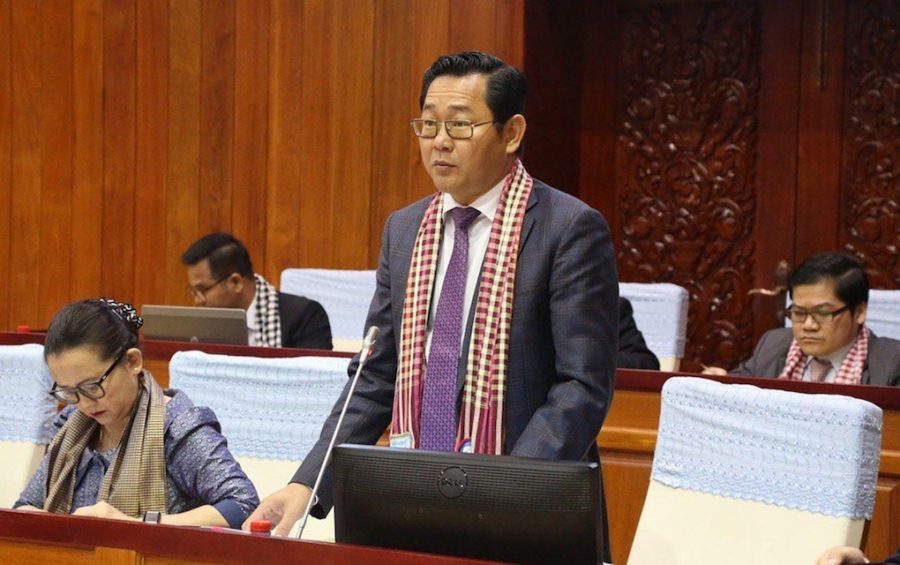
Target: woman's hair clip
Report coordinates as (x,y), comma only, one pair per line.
(125,312)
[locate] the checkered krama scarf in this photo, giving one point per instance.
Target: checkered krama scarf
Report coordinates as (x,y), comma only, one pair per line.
(850,371)
(268,315)
(135,481)
(484,391)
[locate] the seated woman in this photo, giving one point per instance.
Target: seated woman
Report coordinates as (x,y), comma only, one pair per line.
(125,448)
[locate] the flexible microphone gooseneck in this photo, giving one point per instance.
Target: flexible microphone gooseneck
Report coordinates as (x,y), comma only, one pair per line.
(368,344)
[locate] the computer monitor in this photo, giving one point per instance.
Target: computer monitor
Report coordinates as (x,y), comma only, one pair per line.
(492,507)
(196,325)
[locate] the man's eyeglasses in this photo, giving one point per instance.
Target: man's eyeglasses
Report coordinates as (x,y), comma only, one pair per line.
(456,129)
(91,389)
(199,292)
(798,315)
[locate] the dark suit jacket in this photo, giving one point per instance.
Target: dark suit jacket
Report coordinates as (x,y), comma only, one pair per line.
(633,351)
(304,322)
(768,360)
(562,345)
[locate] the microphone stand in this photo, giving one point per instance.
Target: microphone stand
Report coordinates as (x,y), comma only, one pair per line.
(368,343)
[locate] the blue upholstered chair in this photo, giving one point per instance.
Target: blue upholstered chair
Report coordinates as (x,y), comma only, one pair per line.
(26,416)
(344,294)
(748,475)
(271,410)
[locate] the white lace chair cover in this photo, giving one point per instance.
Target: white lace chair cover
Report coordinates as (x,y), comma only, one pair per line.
(271,411)
(807,464)
(344,294)
(26,416)
(660,312)
(271,408)
(26,410)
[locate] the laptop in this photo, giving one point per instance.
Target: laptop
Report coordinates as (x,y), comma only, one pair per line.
(195,324)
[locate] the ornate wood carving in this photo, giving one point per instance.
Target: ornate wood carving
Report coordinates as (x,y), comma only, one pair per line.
(870,185)
(686,150)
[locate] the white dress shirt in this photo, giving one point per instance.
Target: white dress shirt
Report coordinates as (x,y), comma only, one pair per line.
(252,328)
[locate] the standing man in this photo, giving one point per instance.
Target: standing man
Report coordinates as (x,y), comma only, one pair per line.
(220,275)
(496,298)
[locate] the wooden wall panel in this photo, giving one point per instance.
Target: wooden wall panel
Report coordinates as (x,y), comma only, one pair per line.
(216,114)
(5,153)
(56,170)
(251,110)
(314,212)
(152,139)
(394,83)
(130,128)
(870,156)
(183,173)
(352,37)
(24,260)
(119,90)
(286,156)
(686,163)
(87,160)
(821,88)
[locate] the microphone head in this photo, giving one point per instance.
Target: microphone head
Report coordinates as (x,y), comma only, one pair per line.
(371,337)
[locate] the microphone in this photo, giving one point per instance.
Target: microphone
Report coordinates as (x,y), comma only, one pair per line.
(368,344)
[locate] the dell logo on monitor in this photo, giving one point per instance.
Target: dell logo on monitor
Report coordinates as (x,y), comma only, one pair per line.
(452,482)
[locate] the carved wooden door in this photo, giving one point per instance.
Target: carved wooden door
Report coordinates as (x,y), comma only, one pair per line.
(748,135)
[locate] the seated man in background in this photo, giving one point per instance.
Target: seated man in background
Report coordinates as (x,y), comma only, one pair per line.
(828,340)
(633,352)
(220,275)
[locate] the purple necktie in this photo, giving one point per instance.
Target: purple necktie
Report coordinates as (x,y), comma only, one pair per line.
(438,418)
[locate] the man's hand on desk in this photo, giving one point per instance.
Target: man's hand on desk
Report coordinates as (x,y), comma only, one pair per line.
(283,508)
(713,371)
(842,556)
(104,510)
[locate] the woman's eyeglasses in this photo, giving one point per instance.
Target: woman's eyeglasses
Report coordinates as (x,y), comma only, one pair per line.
(92,389)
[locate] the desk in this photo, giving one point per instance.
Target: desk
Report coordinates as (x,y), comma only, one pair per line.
(52,538)
(628,438)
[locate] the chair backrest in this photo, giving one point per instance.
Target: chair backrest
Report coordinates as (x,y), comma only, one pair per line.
(882,314)
(271,410)
(26,416)
(747,475)
(660,312)
(344,294)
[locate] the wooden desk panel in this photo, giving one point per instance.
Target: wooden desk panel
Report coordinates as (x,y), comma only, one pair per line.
(628,439)
(27,538)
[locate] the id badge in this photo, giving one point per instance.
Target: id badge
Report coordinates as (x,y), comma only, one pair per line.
(403,441)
